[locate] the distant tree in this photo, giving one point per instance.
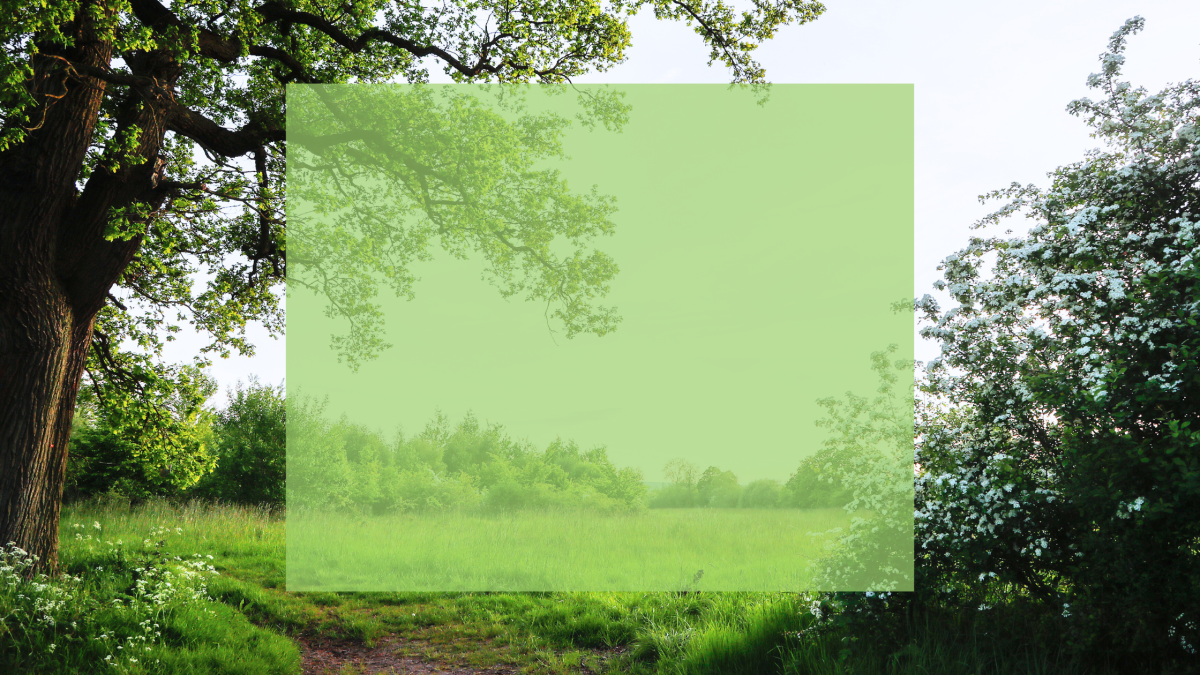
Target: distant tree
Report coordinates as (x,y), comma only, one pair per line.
(680,490)
(679,471)
(718,488)
(471,447)
(343,466)
(318,474)
(762,494)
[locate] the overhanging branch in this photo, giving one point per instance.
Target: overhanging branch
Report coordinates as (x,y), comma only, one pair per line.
(185,121)
(211,44)
(153,14)
(274,12)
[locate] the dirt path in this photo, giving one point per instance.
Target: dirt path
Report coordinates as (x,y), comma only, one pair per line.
(322,656)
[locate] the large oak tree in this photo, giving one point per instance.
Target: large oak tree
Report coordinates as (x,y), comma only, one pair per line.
(142,147)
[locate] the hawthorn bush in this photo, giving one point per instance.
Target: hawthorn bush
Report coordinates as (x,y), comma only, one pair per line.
(1057,436)
(1059,439)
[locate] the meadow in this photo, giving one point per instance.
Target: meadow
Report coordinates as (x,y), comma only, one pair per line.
(139,597)
(677,549)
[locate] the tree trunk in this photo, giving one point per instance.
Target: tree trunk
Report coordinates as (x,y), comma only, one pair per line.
(42,353)
(44,338)
(56,270)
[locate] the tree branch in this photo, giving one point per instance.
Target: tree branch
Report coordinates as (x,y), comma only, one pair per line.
(274,11)
(185,121)
(299,74)
(712,33)
(216,138)
(213,45)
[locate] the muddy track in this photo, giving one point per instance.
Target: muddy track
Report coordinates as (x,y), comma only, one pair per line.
(326,656)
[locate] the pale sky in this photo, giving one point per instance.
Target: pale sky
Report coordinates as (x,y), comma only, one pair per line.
(992,82)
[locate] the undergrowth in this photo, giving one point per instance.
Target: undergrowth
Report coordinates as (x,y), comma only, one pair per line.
(199,589)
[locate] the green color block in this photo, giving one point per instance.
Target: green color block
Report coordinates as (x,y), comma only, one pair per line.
(749,256)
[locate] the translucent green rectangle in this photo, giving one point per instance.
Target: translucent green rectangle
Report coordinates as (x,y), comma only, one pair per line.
(612,288)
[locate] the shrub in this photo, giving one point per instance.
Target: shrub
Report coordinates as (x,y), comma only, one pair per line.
(251,444)
(816,484)
(761,494)
(114,452)
(1061,450)
(718,488)
(674,496)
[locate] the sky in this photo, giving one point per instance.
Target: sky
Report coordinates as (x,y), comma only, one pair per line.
(992,81)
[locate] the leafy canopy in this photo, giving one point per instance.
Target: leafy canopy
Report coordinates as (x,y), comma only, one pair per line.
(411,165)
(193,96)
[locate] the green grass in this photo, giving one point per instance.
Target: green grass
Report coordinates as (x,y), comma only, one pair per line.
(132,599)
(541,632)
(251,625)
(659,549)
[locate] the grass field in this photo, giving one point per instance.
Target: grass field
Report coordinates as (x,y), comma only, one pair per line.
(659,549)
(131,606)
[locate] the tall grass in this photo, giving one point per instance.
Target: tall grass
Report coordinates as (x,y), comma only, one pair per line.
(548,550)
(935,642)
(234,533)
(737,634)
(111,613)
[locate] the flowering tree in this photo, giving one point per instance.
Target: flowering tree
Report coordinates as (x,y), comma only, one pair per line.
(1059,454)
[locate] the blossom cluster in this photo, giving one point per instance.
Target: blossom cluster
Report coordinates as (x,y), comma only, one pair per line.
(1056,438)
(1059,424)
(63,614)
(31,599)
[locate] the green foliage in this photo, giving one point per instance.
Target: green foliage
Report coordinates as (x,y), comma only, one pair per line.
(679,471)
(137,603)
(235,454)
(1009,639)
(695,633)
(1058,449)
(817,483)
(718,488)
(871,441)
(138,449)
(198,194)
(680,491)
(250,434)
(447,165)
(318,473)
(761,494)
(674,496)
(468,467)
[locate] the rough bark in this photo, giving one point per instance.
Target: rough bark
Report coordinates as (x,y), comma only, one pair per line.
(56,269)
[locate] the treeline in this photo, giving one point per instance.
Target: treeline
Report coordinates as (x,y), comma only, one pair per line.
(813,485)
(344,466)
(239,455)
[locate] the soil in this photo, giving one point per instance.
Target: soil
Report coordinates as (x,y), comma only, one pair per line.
(323,656)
